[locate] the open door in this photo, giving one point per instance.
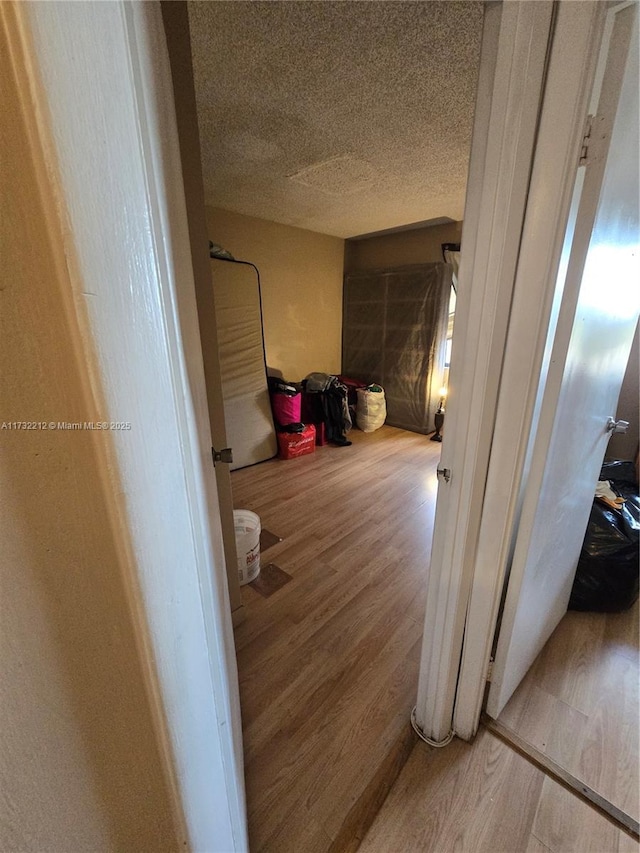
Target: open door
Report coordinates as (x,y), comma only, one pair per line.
(587,357)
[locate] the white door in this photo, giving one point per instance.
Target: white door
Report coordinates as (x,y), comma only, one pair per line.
(589,353)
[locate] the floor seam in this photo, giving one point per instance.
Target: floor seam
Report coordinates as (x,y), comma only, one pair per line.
(550,768)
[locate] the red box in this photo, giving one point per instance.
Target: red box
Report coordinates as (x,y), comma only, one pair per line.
(294,444)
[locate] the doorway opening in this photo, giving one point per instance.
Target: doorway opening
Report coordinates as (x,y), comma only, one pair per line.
(329,660)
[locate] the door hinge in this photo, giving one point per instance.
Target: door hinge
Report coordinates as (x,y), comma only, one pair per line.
(225,455)
(489,674)
(586,140)
(443,474)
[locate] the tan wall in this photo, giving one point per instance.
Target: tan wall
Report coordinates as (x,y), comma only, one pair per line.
(80,764)
(301,274)
(418,246)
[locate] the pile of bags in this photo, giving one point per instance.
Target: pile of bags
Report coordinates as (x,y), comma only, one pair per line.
(328,403)
(294,437)
(606,579)
(286,401)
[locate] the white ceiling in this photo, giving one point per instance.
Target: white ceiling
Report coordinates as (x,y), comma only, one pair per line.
(341,117)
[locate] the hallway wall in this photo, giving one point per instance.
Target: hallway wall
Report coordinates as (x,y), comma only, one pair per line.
(81,766)
(120,709)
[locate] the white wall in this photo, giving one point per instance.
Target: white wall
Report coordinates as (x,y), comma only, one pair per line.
(120,711)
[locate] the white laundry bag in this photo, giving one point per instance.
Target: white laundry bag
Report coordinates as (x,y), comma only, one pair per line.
(371,409)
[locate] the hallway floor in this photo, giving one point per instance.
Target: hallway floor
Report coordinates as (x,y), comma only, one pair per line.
(486,798)
(328,664)
(579,703)
(579,706)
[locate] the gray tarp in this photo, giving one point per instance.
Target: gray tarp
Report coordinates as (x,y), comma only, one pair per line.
(394,331)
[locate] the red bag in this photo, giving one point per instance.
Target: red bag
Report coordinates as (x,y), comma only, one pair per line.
(286,409)
(294,444)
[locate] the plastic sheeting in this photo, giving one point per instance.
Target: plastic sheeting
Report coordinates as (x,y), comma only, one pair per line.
(247,410)
(607,579)
(452,256)
(394,332)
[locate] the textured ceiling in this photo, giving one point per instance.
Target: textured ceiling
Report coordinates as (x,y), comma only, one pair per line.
(341,117)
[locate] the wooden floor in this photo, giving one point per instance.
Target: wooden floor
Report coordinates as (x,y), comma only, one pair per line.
(328,664)
(486,798)
(579,706)
(328,673)
(579,703)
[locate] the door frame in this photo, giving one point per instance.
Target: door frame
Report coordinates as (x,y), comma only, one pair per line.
(567,101)
(513,64)
(131,299)
(495,387)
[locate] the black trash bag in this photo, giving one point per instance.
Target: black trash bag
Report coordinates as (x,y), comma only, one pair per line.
(607,575)
(281,386)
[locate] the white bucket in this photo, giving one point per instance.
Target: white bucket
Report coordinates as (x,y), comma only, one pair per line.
(247,527)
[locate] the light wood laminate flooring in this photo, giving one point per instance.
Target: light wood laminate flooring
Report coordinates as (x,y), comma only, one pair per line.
(328,664)
(486,798)
(578,703)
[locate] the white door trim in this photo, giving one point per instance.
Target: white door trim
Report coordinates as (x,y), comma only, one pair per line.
(153,85)
(512,70)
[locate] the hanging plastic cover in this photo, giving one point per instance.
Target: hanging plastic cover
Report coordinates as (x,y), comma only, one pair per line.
(394,333)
